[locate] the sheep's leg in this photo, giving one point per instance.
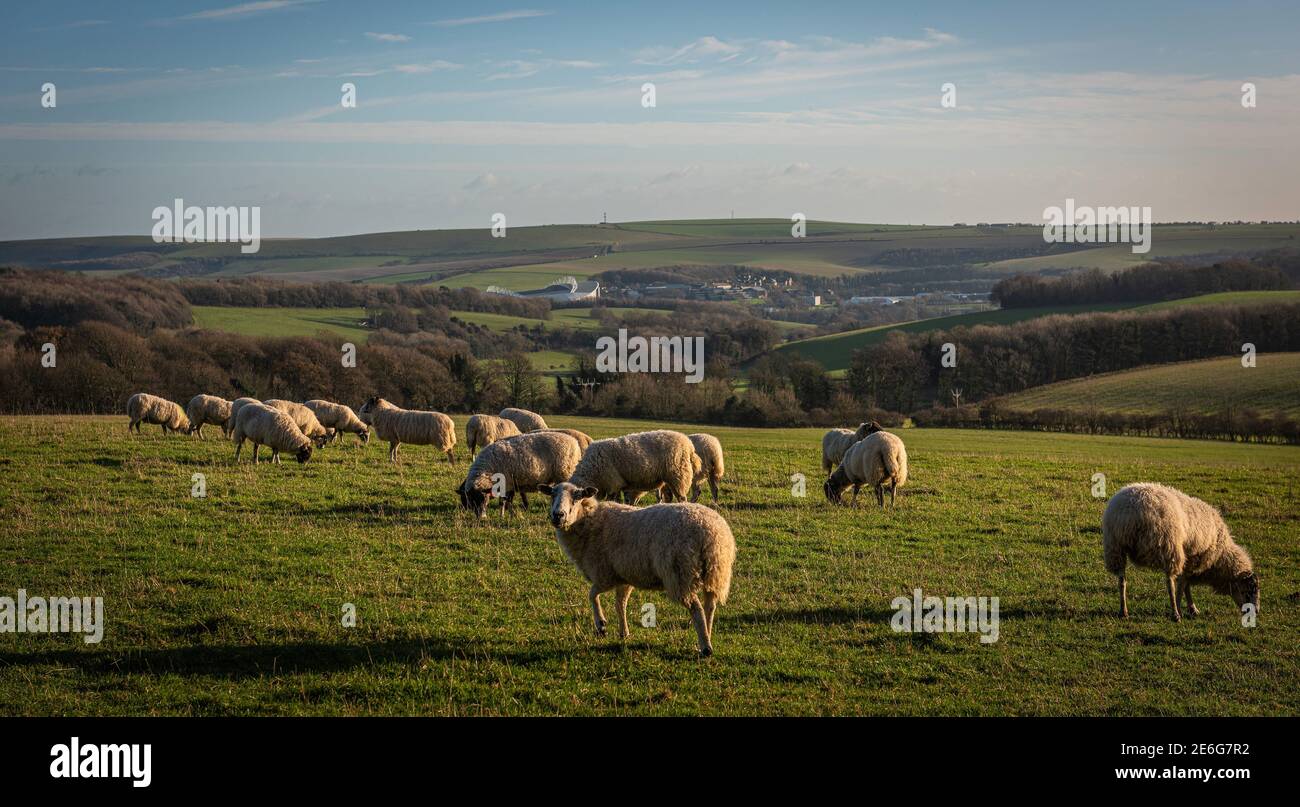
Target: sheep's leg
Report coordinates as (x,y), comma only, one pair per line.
(1171,582)
(713,488)
(597,615)
(507,501)
(893,487)
(523,496)
(239,447)
(392,451)
(1192,610)
(854,503)
(451,457)
(880,495)
(701,626)
(710,608)
(695,491)
(256,446)
(275,456)
(621,596)
(1123,597)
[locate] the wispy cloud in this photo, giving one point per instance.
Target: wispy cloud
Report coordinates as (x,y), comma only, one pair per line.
(387,37)
(244,9)
(524,68)
(504,16)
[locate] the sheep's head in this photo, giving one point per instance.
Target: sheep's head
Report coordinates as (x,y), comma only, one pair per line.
(476,494)
(568,503)
(303,454)
(371,404)
(321,439)
(1244,589)
(364,434)
(836,485)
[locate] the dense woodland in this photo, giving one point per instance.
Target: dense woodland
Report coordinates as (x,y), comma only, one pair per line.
(1149,282)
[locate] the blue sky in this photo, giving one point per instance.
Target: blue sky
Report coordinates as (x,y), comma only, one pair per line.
(464,110)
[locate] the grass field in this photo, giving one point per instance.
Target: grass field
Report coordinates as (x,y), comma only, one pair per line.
(1228,298)
(835,350)
(231,604)
(283,321)
(1271,387)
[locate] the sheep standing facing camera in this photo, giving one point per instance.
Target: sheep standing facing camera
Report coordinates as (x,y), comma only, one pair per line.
(879,460)
(484,430)
(145,408)
(685,550)
(263,425)
(397,426)
(205,409)
(1163,528)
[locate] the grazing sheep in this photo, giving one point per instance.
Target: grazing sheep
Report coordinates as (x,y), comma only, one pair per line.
(525,420)
(145,408)
(204,409)
(484,430)
(685,550)
(583,438)
(1163,528)
(837,442)
(304,417)
(397,426)
(636,463)
(339,419)
(878,460)
(709,450)
(524,461)
(267,426)
(235,406)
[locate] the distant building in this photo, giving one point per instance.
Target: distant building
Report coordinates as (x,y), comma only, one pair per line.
(564,290)
(813,300)
(874,300)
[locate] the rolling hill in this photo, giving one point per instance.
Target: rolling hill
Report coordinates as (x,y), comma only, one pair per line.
(834,351)
(532,256)
(1208,386)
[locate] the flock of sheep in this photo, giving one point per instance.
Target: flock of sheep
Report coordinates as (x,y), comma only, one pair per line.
(679,546)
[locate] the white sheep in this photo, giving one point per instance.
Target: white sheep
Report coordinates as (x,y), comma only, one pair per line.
(304,417)
(685,550)
(524,462)
(709,449)
(879,460)
(338,419)
(583,438)
(1163,528)
(397,426)
(204,409)
(837,442)
(484,430)
(145,408)
(525,420)
(636,463)
(235,406)
(266,426)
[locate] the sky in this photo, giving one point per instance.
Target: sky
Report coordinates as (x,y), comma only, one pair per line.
(465,110)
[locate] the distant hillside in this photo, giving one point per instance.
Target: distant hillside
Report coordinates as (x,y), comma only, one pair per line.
(1209,386)
(834,351)
(530,256)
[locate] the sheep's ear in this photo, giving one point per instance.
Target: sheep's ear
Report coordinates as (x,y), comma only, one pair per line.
(546,490)
(588,493)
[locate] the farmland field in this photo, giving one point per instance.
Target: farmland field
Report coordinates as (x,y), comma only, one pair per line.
(1229,298)
(834,351)
(282,321)
(1271,387)
(231,604)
